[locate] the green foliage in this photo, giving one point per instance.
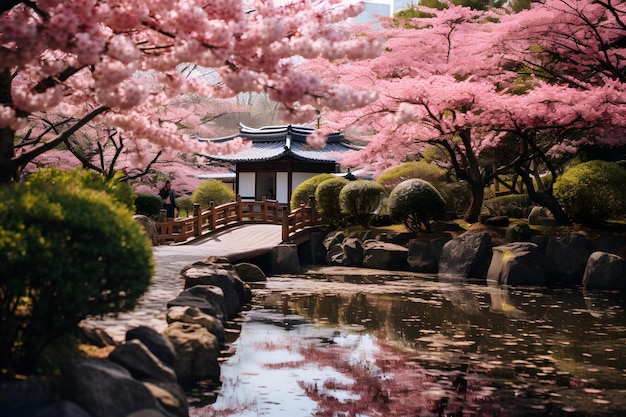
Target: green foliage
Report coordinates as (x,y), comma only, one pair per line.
(592,192)
(307,188)
(79,178)
(65,253)
(185,206)
(327,199)
(499,205)
(416,169)
(457,196)
(359,199)
(415,203)
(148,204)
(212,190)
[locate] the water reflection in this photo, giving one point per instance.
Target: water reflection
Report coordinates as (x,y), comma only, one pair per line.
(465,349)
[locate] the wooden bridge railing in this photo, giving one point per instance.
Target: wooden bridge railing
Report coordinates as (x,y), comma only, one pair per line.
(237,212)
(299,219)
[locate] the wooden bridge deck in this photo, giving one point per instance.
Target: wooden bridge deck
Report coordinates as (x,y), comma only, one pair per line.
(218,221)
(239,241)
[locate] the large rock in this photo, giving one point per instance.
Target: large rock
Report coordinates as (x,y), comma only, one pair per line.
(566,259)
(333,238)
(381,255)
(284,259)
(249,272)
(141,363)
(95,336)
(467,256)
(193,315)
(541,216)
(59,409)
(156,343)
(104,388)
(170,395)
(236,292)
(207,298)
(149,227)
(605,271)
(519,232)
(22,398)
(518,263)
(423,256)
(197,352)
(347,253)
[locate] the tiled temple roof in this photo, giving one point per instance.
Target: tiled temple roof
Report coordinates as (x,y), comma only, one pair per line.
(274,142)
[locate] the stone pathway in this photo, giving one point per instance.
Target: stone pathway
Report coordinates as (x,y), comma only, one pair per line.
(170,260)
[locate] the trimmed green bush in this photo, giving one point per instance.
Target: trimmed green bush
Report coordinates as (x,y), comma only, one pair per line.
(120,191)
(498,205)
(327,199)
(212,190)
(359,199)
(415,203)
(148,204)
(185,206)
(65,253)
(592,192)
(306,189)
(415,169)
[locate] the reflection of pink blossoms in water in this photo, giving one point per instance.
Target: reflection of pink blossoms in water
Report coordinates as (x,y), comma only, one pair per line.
(386,383)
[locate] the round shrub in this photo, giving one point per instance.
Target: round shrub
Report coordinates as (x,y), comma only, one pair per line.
(212,190)
(415,169)
(415,203)
(327,199)
(118,190)
(592,192)
(148,204)
(306,189)
(185,206)
(359,199)
(65,253)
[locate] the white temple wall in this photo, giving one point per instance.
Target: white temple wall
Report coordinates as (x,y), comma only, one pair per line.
(247,182)
(282,187)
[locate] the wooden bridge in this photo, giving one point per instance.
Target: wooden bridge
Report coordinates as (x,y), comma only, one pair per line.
(295,224)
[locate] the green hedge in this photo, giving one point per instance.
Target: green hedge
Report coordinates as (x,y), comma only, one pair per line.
(212,190)
(415,203)
(592,192)
(327,200)
(359,199)
(148,204)
(66,253)
(306,189)
(415,169)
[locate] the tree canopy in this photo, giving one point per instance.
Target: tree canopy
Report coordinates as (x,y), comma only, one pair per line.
(117,62)
(539,83)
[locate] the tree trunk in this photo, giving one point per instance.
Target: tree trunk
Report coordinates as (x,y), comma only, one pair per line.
(7,135)
(544,198)
(476,203)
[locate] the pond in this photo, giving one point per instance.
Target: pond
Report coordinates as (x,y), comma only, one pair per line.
(421,346)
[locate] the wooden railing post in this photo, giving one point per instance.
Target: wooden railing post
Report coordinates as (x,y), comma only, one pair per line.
(212,215)
(197,219)
(285,228)
(313,214)
(239,209)
(264,208)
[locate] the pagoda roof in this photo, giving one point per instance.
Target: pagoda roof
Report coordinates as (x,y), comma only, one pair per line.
(275,142)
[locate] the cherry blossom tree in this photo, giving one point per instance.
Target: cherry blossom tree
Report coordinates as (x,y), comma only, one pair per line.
(113,62)
(538,83)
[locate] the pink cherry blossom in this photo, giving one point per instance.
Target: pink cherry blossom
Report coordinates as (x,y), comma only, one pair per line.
(116,63)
